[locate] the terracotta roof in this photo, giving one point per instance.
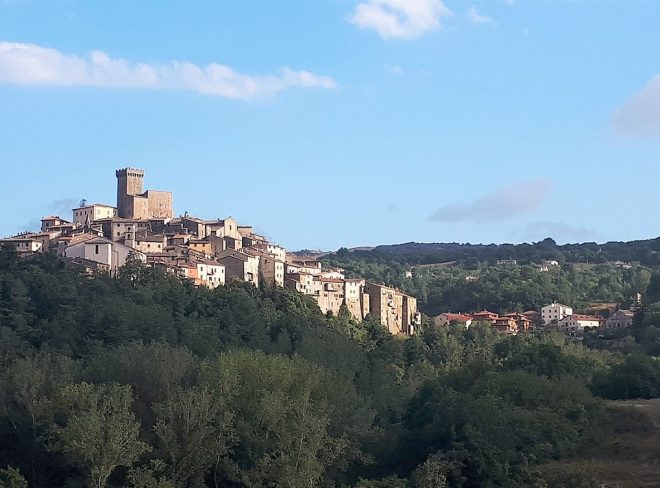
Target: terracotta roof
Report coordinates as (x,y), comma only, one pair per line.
(585,317)
(458,317)
(328,280)
(149,238)
(95,205)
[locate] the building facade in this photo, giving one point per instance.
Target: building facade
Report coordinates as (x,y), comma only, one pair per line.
(620,319)
(553,313)
(240,265)
(87,214)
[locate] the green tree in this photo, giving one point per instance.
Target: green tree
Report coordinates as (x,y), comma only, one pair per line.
(638,376)
(294,421)
(195,431)
(433,473)
(99,431)
(12,478)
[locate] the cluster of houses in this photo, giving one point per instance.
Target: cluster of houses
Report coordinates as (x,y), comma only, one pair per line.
(553,315)
(207,252)
(511,323)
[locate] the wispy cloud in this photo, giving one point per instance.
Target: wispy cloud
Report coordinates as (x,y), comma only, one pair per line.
(400,19)
(505,202)
(640,115)
(31,64)
(559,231)
(392,209)
(475,17)
(61,207)
(394,69)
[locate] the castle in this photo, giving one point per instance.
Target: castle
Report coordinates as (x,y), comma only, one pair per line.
(133,203)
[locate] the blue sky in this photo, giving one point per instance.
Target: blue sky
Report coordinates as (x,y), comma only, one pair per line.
(341,123)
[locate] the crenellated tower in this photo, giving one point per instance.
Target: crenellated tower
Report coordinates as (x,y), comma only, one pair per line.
(129,184)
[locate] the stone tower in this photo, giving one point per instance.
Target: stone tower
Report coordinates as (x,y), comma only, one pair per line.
(129,184)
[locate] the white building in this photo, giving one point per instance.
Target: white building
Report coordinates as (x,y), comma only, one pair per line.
(210,273)
(112,255)
(554,312)
(89,213)
(574,323)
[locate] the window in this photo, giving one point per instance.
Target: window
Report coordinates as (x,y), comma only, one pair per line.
(96,249)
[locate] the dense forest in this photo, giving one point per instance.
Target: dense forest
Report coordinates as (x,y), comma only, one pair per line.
(146,381)
(645,252)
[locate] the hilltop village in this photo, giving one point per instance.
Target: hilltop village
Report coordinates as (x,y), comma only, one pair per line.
(209,253)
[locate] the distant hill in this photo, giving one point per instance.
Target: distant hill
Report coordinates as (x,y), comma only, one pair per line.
(646,252)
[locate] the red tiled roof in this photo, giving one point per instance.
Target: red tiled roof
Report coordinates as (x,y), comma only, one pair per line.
(458,317)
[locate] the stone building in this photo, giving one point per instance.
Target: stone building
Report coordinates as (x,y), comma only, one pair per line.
(147,243)
(119,229)
(300,282)
(240,265)
(396,311)
(202,246)
(329,294)
(134,203)
(278,251)
(52,222)
(25,243)
(620,319)
(355,298)
(271,269)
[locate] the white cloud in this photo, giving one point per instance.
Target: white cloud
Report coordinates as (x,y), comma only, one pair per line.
(31,64)
(640,115)
(475,17)
(505,202)
(394,69)
(401,19)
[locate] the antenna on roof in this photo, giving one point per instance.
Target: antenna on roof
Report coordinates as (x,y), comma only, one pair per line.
(83,203)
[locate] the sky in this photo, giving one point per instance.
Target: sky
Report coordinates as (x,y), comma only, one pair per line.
(340,123)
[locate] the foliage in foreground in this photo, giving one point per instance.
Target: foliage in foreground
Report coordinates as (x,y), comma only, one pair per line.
(153,383)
